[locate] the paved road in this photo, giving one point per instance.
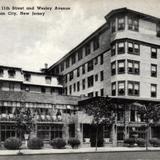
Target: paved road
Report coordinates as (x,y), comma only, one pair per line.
(152,155)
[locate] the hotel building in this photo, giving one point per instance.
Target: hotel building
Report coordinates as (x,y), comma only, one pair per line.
(121,60)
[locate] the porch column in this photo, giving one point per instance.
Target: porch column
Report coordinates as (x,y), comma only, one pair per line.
(126,121)
(78,130)
(114,135)
(65,133)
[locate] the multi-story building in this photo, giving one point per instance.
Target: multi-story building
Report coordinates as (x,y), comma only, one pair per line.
(54,115)
(120,60)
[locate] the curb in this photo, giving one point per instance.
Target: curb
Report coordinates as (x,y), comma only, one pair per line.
(51,152)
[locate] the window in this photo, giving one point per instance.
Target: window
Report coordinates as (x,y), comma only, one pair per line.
(102,75)
(120,133)
(101,59)
(78,72)
(83,84)
(74,87)
(83,69)
(113,89)
(154,53)
(65,78)
(133,48)
(96,93)
(121,48)
(90,94)
(67,63)
(113,26)
(113,68)
(90,81)
(71,75)
(78,86)
(90,65)
(106,131)
(133,67)
(121,23)
(153,90)
(11,73)
(70,89)
(158,30)
(102,92)
(120,115)
(27,88)
(132,115)
(121,66)
(87,49)
(11,86)
(96,43)
(43,89)
(1,72)
(121,88)
(96,60)
(153,70)
(133,88)
(80,54)
(96,77)
(113,49)
(73,58)
(133,24)
(62,66)
(48,79)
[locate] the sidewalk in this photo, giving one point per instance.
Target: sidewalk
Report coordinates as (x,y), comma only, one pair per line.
(80,150)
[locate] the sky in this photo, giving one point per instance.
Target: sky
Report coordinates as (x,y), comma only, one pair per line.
(30,41)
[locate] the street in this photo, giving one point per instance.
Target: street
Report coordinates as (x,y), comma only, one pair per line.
(138,155)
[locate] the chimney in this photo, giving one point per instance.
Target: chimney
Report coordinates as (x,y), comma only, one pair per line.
(46,65)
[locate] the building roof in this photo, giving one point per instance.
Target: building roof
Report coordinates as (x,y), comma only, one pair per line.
(38,98)
(126,10)
(96,32)
(119,100)
(107,17)
(10,67)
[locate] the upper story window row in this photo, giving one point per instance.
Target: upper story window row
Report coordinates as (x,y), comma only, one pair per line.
(122,47)
(27,77)
(120,23)
(133,67)
(120,88)
(87,67)
(75,57)
(11,73)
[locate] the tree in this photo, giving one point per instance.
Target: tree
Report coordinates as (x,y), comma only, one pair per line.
(150,114)
(23,121)
(101,110)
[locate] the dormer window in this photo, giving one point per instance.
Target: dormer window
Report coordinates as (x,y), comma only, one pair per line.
(11,73)
(27,77)
(48,79)
(1,72)
(121,23)
(133,24)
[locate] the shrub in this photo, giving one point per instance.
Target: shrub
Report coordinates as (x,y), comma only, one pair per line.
(74,142)
(129,142)
(35,143)
(58,143)
(133,141)
(155,142)
(12,143)
(140,142)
